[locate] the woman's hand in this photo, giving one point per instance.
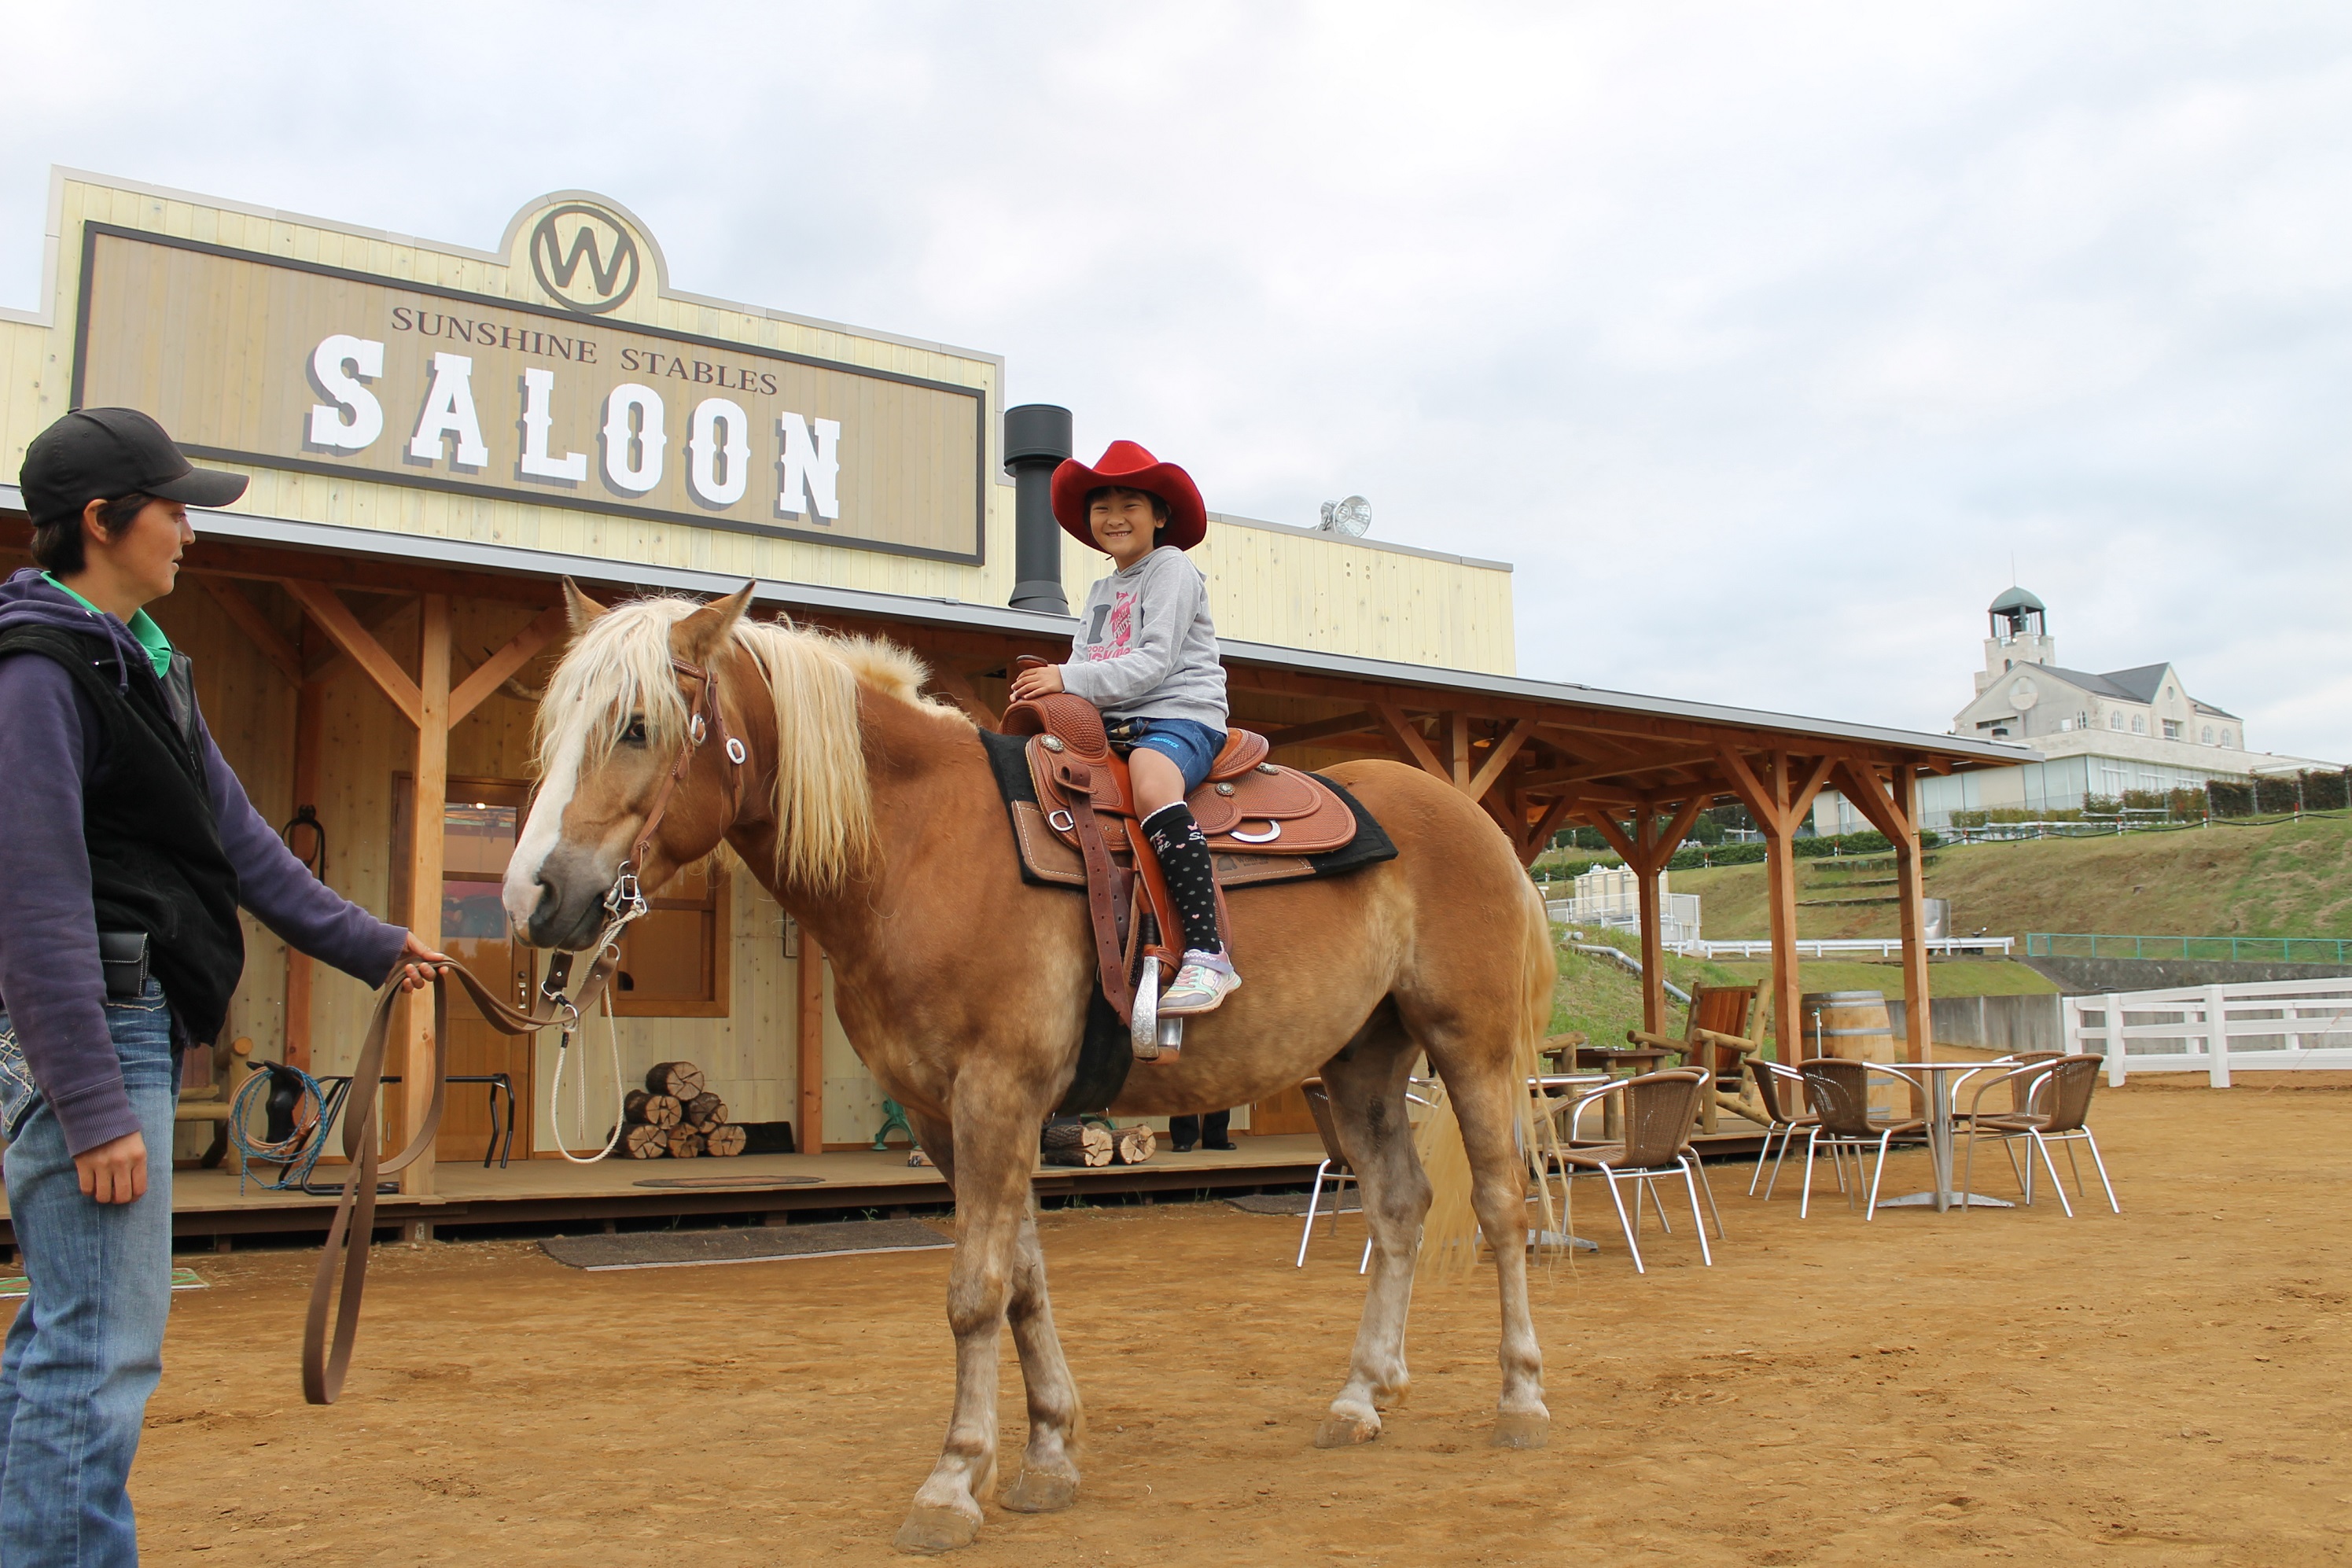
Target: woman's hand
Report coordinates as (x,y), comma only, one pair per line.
(116,1171)
(417,964)
(1041,681)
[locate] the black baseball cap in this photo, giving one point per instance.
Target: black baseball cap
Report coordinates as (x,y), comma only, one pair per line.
(98,454)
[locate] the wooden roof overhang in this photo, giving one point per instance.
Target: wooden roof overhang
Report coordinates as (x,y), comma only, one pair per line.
(1536,755)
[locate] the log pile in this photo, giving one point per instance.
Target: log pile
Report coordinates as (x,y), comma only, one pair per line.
(675,1116)
(1069,1141)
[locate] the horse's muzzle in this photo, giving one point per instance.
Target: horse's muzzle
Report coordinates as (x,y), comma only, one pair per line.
(570,908)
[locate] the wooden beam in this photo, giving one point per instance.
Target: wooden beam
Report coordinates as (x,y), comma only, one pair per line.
(426,858)
(1537,838)
(1499,757)
(310,729)
(494,672)
(1679,758)
(808,1024)
(1605,824)
(254,626)
(1407,735)
(1322,730)
(1457,751)
(335,619)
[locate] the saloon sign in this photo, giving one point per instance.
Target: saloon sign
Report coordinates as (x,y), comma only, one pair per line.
(553,400)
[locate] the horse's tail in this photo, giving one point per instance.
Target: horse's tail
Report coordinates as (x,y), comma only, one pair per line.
(1449,1235)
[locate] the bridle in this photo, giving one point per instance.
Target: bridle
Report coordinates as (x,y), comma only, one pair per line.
(323,1365)
(624,901)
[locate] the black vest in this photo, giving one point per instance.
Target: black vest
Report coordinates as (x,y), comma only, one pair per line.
(156,864)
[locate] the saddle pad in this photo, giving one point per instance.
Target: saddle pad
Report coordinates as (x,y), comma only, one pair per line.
(1047,860)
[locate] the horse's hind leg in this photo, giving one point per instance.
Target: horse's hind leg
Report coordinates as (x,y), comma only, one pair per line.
(1368,1106)
(990,1172)
(1483,1098)
(1049,1470)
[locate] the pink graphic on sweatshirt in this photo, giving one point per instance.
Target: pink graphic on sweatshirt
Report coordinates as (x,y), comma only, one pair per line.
(1120,627)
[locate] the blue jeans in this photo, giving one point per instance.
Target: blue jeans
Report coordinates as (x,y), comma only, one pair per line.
(86,1345)
(1192,746)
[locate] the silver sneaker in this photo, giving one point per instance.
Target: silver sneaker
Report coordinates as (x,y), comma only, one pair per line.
(1204,981)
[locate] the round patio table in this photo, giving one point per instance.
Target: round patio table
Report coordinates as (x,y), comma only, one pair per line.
(1939,1079)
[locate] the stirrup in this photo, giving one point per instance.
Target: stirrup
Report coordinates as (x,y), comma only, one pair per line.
(1155,1038)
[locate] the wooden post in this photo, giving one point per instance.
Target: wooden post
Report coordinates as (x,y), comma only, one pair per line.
(1654,937)
(310,719)
(1779,805)
(1897,816)
(809,1029)
(425,864)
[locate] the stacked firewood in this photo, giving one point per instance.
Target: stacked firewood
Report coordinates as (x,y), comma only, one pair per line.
(1069,1141)
(675,1115)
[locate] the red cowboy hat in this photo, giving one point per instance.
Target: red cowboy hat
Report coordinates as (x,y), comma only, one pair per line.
(1126,464)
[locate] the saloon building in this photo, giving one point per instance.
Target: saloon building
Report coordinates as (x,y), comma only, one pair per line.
(436,435)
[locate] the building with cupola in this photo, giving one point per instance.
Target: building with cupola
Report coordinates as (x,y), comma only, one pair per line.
(2099,734)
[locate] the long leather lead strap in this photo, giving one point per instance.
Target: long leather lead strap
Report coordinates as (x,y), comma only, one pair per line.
(352,1230)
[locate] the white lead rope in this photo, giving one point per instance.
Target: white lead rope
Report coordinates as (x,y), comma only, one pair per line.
(624,904)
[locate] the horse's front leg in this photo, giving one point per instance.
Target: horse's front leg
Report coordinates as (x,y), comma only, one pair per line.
(992,1159)
(1368,1106)
(1049,1464)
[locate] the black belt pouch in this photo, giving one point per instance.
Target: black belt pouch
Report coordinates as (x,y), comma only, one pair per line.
(123,955)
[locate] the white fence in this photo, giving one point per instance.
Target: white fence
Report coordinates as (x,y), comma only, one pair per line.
(2216,1029)
(1838,947)
(1678,915)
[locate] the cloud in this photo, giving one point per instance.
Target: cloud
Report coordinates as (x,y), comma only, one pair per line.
(1760,340)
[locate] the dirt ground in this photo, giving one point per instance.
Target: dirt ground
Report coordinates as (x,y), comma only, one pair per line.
(2169,1386)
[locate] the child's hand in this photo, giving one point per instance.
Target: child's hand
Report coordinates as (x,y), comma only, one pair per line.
(1032,684)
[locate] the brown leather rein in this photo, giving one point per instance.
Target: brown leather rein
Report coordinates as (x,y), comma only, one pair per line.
(352,1231)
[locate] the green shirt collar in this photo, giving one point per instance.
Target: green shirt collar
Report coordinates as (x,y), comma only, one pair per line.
(142,626)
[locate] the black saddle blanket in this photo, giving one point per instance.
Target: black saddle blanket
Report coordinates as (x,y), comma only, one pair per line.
(1047,861)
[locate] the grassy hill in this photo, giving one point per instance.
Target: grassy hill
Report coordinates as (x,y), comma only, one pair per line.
(2285,879)
(1604,999)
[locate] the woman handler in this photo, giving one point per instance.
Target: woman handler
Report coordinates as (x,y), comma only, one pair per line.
(129,848)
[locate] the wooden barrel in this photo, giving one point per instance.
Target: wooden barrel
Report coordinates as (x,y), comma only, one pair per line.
(1850,1023)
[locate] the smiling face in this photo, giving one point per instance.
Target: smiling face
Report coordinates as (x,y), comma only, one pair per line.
(1125,522)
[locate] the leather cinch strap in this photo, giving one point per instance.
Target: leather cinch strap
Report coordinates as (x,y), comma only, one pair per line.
(354,1227)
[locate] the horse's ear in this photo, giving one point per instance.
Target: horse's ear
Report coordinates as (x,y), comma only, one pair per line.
(705,632)
(584,610)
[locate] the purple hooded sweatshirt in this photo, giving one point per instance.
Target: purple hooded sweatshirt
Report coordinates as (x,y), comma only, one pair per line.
(51,987)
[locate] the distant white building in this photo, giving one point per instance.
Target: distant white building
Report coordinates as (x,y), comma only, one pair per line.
(2102,734)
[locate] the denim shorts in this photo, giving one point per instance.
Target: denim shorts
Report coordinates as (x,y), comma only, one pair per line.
(1193,747)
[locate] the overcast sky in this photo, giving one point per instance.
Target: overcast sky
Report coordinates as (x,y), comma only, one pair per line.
(1760,339)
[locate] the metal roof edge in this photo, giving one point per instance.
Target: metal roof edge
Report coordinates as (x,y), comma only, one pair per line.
(518,561)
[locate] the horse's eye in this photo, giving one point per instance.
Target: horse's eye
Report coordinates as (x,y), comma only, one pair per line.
(635,735)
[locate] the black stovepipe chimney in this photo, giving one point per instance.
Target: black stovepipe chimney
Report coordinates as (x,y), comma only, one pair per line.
(1036,439)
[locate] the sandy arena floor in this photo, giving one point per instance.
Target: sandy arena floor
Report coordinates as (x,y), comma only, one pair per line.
(2165,1387)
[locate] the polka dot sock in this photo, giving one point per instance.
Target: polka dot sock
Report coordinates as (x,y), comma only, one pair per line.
(1184,855)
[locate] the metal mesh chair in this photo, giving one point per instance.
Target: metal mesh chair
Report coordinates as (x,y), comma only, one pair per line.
(1839,1089)
(2053,1100)
(1786,1122)
(1657,1112)
(1334,1168)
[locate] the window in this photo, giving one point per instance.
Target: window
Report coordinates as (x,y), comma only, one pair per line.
(2115,721)
(2225,739)
(2082,721)
(2065,724)
(674,961)
(2172,729)
(2139,723)
(2208,734)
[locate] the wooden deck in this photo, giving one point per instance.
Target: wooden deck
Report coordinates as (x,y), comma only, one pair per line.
(551,1192)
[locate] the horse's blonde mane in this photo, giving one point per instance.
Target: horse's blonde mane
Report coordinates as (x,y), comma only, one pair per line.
(618,667)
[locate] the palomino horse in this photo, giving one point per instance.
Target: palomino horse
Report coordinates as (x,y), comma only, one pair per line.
(870,814)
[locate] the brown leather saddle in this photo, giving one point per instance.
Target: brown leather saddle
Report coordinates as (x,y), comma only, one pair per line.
(1246,808)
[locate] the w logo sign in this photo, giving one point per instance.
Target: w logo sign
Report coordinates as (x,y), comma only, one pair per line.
(585,257)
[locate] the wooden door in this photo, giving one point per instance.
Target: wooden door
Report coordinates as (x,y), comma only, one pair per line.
(1284,1112)
(478,832)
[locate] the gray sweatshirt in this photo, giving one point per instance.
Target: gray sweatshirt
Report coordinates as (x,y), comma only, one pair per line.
(1146,647)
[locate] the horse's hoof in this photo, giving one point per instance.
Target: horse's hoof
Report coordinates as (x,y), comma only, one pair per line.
(930,1529)
(1343,1431)
(1522,1429)
(1042,1491)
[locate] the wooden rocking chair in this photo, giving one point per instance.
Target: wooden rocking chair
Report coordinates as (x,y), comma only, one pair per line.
(1723,1028)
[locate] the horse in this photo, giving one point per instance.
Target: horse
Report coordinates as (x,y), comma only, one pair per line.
(868,811)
